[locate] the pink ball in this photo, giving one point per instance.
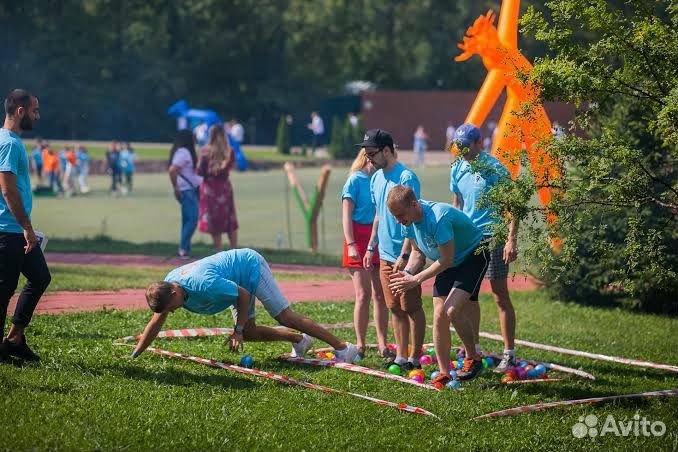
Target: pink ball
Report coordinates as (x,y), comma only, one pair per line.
(425,360)
(418,378)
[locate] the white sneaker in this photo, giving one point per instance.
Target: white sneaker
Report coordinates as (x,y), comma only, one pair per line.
(304,345)
(347,355)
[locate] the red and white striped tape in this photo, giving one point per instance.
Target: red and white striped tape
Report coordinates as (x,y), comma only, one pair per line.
(283,379)
(542,406)
(550,366)
(354,368)
(521,382)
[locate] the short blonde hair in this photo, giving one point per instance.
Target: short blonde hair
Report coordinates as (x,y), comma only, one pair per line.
(360,161)
(158,296)
(400,195)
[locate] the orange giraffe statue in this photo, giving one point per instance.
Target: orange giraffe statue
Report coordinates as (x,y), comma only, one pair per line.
(524,121)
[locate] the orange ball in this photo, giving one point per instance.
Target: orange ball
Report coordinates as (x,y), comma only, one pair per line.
(507,378)
(529,367)
(416,372)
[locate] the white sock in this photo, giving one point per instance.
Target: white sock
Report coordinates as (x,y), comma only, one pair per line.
(510,352)
(414,361)
(478,348)
(400,360)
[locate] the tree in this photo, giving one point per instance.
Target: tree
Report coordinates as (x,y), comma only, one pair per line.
(282,139)
(618,209)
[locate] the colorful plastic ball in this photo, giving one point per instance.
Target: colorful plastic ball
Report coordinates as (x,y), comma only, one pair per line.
(329,355)
(418,378)
(434,374)
(394,369)
(247,361)
(425,360)
(392,347)
(460,364)
(453,374)
(511,372)
(454,384)
(485,364)
(531,374)
(507,378)
(453,364)
(540,369)
(523,364)
(430,352)
(415,372)
(490,362)
(320,355)
(529,367)
(521,372)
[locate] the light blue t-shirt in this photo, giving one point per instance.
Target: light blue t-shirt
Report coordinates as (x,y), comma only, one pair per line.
(82,156)
(62,159)
(472,186)
(36,155)
(127,161)
(441,223)
(212,283)
(14,159)
(390,233)
(357,189)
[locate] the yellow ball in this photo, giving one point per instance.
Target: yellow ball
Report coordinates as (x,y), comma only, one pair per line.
(329,355)
(415,372)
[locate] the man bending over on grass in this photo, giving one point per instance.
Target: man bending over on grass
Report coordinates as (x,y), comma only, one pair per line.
(450,239)
(232,279)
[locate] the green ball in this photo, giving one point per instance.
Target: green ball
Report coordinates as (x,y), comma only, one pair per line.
(485,364)
(394,369)
(430,352)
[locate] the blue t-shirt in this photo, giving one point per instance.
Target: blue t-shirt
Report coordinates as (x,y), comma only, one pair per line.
(390,233)
(127,161)
(36,155)
(357,189)
(441,223)
(212,283)
(472,186)
(62,159)
(82,156)
(14,159)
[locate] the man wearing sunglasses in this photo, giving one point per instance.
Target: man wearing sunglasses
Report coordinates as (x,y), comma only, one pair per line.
(408,315)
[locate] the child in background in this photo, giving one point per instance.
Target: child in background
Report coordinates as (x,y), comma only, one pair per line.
(83,167)
(71,171)
(127,158)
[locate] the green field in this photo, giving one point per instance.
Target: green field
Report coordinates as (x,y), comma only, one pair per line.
(150,213)
(86,395)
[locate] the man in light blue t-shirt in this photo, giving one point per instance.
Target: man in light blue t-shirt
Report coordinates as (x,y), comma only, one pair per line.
(19,248)
(408,315)
(471,176)
(449,238)
(233,279)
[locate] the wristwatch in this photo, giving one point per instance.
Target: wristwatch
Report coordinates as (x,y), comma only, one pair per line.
(370,248)
(238,329)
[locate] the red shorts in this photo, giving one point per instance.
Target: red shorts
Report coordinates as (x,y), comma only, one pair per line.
(361,235)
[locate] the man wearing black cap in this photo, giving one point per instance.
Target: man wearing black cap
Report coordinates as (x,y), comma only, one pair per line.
(393,247)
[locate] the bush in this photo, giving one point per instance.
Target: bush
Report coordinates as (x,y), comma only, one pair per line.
(337,147)
(282,139)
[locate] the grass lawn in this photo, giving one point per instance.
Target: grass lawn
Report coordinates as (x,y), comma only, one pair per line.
(104,277)
(87,395)
(151,214)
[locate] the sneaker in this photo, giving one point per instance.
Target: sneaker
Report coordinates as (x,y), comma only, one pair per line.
(21,351)
(347,355)
(408,366)
(506,362)
(387,354)
(470,370)
(304,345)
(441,381)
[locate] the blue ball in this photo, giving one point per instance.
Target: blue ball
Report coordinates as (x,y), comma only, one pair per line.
(247,361)
(453,374)
(434,374)
(454,384)
(490,362)
(460,364)
(540,369)
(523,364)
(531,374)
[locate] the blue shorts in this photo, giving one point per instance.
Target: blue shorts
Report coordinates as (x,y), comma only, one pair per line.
(269,294)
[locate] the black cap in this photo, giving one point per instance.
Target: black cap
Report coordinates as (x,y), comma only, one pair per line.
(376,138)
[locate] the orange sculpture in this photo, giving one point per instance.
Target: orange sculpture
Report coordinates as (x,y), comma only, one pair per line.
(524,123)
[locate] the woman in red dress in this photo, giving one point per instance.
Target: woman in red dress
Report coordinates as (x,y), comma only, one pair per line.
(217,206)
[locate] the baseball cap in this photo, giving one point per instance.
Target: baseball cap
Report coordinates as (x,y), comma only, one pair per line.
(466,134)
(376,138)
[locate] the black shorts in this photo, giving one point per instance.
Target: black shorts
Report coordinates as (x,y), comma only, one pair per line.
(466,276)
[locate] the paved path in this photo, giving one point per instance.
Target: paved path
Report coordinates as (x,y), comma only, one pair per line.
(295,291)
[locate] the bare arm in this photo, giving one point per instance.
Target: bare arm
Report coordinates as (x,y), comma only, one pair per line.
(347,207)
(367,259)
(174,174)
(150,332)
(402,282)
(511,247)
(457,202)
(236,340)
(16,207)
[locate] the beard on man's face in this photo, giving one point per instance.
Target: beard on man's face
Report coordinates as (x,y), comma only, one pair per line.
(26,123)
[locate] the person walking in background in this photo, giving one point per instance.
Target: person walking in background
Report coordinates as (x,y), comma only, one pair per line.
(217,205)
(449,135)
(186,183)
(419,146)
(113,161)
(83,167)
(127,158)
(237,131)
(357,215)
(317,128)
(52,168)
(36,160)
(71,171)
(201,133)
(20,250)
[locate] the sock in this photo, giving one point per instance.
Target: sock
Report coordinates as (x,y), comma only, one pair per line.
(478,348)
(400,360)
(509,352)
(414,361)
